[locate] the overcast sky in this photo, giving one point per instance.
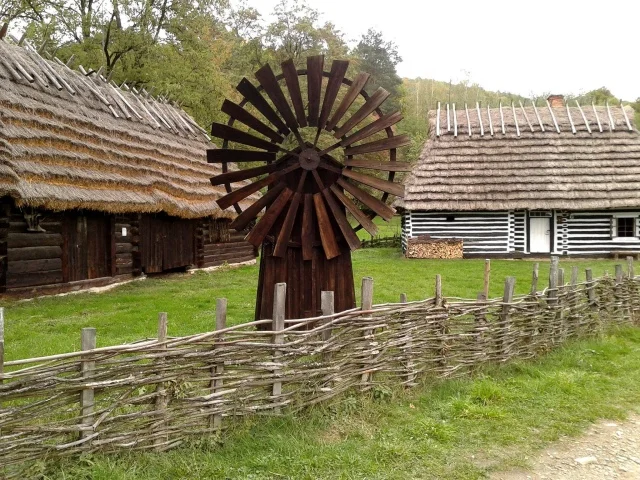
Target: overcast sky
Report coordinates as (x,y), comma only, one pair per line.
(528,48)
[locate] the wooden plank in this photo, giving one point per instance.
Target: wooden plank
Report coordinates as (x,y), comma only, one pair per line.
(22,240)
(376,165)
(234,135)
(241,193)
(347,231)
(268,80)
(293,85)
(285,231)
(240,175)
(243,116)
(261,230)
(377,183)
(378,206)
(34,279)
(379,145)
(351,95)
(219,155)
(308,229)
(252,212)
(327,237)
(315,66)
(253,96)
(377,99)
(33,253)
(17,267)
(374,127)
(358,214)
(338,70)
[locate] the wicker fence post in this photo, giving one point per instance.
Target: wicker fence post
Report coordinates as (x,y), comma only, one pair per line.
(87,401)
(409,366)
(279,304)
(534,279)
(161,393)
(630,267)
(487,278)
(552,301)
(574,319)
(327,304)
(367,304)
(631,289)
(504,350)
(438,296)
(618,293)
(1,343)
(215,421)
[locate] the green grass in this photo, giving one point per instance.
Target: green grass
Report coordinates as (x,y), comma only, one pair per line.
(385,229)
(129,312)
(459,429)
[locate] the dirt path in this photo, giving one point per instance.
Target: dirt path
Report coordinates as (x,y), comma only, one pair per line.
(607,450)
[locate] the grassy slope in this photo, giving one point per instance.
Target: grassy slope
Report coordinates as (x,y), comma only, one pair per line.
(459,429)
(52,325)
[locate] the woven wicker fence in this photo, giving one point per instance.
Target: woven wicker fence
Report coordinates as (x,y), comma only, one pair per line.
(156,393)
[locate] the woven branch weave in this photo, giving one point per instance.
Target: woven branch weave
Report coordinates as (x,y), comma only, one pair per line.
(153,395)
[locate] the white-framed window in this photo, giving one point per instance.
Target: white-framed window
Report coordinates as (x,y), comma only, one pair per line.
(625,226)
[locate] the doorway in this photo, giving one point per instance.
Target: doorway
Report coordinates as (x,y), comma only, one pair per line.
(539,234)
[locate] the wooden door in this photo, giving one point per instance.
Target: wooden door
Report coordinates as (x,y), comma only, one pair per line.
(166,243)
(75,248)
(539,235)
(87,247)
(98,245)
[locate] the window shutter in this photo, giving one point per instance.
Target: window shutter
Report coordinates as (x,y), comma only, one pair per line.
(614,227)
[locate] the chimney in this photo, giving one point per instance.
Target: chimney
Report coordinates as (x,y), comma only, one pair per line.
(556,101)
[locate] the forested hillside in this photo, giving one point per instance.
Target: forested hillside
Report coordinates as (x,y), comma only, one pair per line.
(196,51)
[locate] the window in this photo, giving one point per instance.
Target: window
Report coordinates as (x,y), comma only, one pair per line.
(626,227)
(450,218)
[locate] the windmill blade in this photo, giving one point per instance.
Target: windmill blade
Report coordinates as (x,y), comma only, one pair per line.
(375,100)
(261,230)
(254,209)
(234,135)
(293,85)
(314,87)
(251,93)
(245,174)
(375,165)
(375,182)
(338,70)
(243,116)
(327,237)
(308,229)
(347,231)
(381,208)
(268,80)
(285,231)
(358,214)
(244,192)
(379,145)
(353,92)
(220,155)
(373,128)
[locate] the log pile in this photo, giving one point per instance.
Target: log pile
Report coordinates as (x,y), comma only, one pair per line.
(426,247)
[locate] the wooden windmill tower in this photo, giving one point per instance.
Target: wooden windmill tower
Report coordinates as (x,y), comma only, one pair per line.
(311,161)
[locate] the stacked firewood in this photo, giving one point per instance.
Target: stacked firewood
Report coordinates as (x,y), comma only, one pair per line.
(426,247)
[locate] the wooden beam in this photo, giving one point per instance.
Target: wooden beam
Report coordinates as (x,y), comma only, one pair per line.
(375,182)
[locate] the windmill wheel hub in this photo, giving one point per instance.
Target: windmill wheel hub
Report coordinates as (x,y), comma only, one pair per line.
(309,159)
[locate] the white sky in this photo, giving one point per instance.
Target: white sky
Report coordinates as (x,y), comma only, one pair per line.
(524,47)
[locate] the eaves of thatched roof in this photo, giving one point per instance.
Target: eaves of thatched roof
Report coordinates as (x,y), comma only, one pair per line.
(527,158)
(68,140)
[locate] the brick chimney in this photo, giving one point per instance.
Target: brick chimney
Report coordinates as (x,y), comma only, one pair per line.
(556,101)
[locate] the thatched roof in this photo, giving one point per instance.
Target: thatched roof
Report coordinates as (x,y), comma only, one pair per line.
(573,158)
(69,140)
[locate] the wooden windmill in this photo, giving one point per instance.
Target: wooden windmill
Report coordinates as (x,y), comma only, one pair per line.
(313,159)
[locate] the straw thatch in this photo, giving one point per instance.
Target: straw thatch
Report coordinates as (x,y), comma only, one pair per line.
(589,157)
(69,140)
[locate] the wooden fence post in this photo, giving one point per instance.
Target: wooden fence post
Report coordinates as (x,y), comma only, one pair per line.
(367,304)
(403,298)
(161,393)
(279,304)
(216,385)
(505,320)
(409,366)
(327,304)
(87,401)
(591,294)
(534,279)
(487,278)
(630,267)
(552,294)
(1,343)
(574,320)
(438,296)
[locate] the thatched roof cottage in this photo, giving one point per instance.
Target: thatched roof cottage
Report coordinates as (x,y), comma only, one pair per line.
(516,180)
(99,183)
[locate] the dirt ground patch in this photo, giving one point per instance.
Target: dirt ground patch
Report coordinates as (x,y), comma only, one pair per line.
(609,449)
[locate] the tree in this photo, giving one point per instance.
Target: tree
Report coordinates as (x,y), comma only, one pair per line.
(379,58)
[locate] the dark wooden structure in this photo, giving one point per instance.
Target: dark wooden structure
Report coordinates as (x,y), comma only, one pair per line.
(311,159)
(100,184)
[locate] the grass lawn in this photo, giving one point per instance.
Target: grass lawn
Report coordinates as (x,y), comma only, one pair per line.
(385,229)
(459,429)
(129,312)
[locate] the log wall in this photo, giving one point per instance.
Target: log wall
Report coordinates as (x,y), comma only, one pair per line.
(217,245)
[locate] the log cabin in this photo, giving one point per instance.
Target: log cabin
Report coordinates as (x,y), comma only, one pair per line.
(528,180)
(98,183)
